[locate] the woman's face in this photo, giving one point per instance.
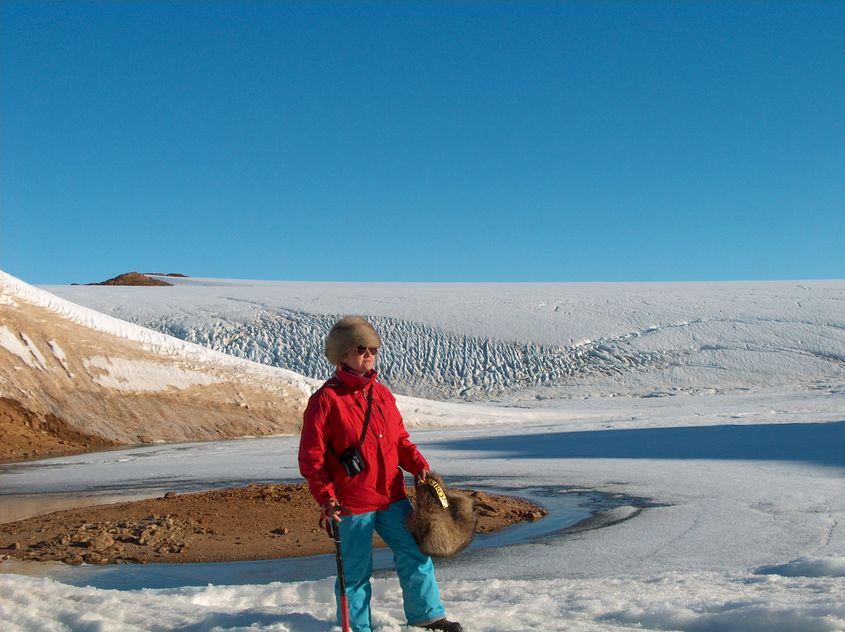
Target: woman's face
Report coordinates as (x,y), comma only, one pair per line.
(360,362)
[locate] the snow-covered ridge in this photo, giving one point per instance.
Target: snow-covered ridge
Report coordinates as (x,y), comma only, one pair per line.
(121,382)
(520,342)
(12,287)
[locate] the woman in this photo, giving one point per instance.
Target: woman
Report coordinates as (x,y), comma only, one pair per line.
(368,494)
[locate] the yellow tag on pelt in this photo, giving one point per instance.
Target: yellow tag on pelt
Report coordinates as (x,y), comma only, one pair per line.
(441,495)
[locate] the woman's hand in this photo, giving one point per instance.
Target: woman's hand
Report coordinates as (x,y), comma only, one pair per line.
(422,476)
(329,511)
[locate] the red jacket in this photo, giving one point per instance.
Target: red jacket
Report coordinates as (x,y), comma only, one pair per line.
(334,419)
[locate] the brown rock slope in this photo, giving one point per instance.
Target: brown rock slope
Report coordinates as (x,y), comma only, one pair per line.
(70,374)
(28,435)
(246,523)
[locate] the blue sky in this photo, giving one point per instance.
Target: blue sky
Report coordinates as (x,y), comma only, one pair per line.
(524,141)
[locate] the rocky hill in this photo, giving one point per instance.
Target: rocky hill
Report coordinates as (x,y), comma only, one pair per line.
(132,278)
(73,379)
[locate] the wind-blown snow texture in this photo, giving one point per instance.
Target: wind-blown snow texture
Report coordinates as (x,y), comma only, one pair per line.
(519,342)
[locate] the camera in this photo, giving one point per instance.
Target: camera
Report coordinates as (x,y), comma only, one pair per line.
(352,461)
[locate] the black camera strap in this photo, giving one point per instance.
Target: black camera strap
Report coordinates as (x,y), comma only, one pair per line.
(367,415)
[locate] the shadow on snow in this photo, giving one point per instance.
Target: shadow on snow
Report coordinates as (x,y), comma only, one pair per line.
(821,444)
(251,619)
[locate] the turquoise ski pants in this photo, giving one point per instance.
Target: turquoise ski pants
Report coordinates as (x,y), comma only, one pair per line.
(415,569)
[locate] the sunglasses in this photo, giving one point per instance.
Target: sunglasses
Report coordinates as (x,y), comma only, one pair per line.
(361,349)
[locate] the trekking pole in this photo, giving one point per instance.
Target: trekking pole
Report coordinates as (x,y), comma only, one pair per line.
(334,532)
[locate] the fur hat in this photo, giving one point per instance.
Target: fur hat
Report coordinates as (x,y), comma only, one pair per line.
(441,531)
(349,332)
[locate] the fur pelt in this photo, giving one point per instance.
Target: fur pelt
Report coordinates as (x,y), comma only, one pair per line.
(439,531)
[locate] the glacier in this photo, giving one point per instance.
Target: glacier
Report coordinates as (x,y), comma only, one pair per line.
(516,343)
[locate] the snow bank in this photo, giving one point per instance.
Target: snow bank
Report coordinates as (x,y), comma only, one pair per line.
(702,602)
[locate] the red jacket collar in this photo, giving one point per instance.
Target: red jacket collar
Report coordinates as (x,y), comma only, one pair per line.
(352,380)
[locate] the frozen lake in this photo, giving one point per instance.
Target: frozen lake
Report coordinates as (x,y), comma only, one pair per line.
(41,486)
(566,508)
